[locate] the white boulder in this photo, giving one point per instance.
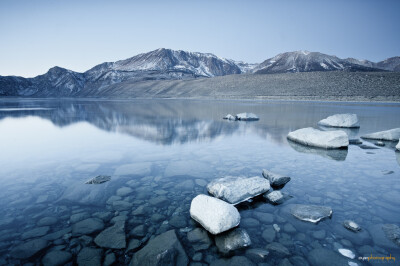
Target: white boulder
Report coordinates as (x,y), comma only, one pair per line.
(390,135)
(230,117)
(236,189)
(247,117)
(215,215)
(398,146)
(322,139)
(340,120)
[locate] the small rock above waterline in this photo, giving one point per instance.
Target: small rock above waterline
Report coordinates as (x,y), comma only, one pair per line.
(247,117)
(340,120)
(230,117)
(99,179)
(275,197)
(215,215)
(276,180)
(389,135)
(232,240)
(398,146)
(347,253)
(322,139)
(352,226)
(236,189)
(164,249)
(310,213)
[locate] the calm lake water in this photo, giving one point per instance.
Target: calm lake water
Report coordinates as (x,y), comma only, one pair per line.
(160,154)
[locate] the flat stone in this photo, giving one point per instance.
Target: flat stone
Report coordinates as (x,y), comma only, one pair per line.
(276,180)
(322,256)
(121,205)
(232,240)
(87,226)
(199,239)
(110,259)
(177,221)
(319,234)
(310,213)
(36,232)
(58,234)
(158,201)
(78,217)
(289,228)
(56,258)
(124,191)
(233,261)
(141,210)
(133,245)
(105,216)
(277,249)
(352,226)
(269,234)
(98,179)
(257,254)
(267,218)
(341,120)
(215,215)
(246,117)
(236,189)
(250,222)
(389,135)
(119,218)
(164,249)
(28,249)
(112,237)
(156,217)
(321,139)
(134,169)
(138,231)
(90,257)
(47,221)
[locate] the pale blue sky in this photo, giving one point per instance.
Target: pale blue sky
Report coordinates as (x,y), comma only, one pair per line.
(37,35)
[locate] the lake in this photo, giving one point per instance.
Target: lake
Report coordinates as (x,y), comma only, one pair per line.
(160,154)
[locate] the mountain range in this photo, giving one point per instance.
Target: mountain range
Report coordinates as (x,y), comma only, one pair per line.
(167,64)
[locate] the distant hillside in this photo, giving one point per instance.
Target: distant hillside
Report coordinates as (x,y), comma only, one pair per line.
(166,64)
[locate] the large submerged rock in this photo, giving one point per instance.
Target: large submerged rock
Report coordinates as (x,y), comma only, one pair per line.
(321,139)
(215,215)
(276,180)
(247,117)
(28,249)
(164,249)
(236,189)
(310,213)
(99,179)
(232,240)
(390,135)
(340,120)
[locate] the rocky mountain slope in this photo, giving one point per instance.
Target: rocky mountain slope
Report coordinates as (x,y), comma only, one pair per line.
(304,61)
(166,64)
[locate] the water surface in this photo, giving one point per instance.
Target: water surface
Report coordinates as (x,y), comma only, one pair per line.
(165,151)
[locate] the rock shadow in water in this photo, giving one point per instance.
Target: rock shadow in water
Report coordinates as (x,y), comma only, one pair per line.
(333,154)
